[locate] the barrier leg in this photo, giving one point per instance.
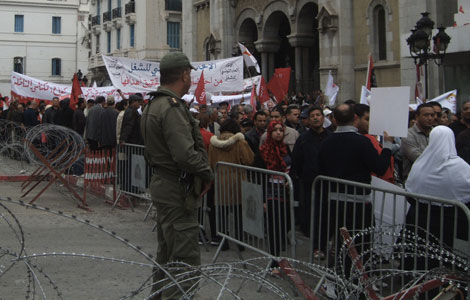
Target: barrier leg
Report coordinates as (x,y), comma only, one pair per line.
(219,248)
(147,213)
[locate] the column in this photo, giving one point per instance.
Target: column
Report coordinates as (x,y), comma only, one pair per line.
(264,65)
(298,69)
(307,70)
(271,65)
(267,48)
(301,43)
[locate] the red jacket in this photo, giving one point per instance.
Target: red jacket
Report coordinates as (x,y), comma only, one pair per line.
(206,137)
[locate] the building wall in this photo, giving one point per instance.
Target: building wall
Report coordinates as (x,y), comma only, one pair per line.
(38,45)
(203,32)
(387,71)
(150,34)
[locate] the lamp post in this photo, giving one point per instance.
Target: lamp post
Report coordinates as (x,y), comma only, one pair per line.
(419,43)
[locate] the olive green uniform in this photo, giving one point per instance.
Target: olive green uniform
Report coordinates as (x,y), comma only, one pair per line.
(176,152)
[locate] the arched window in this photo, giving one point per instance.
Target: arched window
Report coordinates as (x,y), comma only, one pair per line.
(378,19)
(380,32)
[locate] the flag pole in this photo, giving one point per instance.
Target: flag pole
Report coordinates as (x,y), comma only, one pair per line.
(249,74)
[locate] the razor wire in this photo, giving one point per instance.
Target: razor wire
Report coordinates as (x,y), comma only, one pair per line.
(60,145)
(12,152)
(230,279)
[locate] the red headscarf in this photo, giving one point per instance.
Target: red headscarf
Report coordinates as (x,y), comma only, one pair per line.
(273,152)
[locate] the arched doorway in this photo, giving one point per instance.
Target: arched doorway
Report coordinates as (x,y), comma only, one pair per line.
(308,41)
(247,35)
(276,31)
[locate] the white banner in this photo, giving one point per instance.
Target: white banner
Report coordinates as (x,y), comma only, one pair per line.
(35,88)
(133,75)
(448,100)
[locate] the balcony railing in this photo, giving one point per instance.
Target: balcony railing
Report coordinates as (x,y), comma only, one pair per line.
(107,16)
(117,13)
(130,8)
(95,20)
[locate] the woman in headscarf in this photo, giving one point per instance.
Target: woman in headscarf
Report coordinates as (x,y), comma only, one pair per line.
(438,172)
(275,155)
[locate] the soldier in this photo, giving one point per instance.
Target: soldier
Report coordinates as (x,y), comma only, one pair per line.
(181,173)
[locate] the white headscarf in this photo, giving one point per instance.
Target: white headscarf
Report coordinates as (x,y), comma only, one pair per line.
(438,171)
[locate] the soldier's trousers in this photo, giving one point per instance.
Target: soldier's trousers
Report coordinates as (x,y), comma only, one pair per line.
(177,235)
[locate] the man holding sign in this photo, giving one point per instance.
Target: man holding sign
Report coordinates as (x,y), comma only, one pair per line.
(348,155)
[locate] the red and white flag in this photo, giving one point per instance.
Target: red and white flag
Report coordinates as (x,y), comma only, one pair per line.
(250,60)
(448,100)
(200,92)
(331,89)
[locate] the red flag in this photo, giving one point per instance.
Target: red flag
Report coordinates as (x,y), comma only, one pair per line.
(279,84)
(200,92)
(263,94)
(253,98)
(283,76)
(76,92)
(370,79)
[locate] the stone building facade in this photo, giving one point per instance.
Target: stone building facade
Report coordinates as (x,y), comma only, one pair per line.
(317,36)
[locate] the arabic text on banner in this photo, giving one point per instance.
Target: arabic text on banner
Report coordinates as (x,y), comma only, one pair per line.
(133,75)
(35,88)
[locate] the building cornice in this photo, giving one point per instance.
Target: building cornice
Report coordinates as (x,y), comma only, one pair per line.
(34,4)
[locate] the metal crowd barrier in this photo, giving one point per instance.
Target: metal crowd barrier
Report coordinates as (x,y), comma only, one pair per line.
(132,173)
(255,209)
(396,232)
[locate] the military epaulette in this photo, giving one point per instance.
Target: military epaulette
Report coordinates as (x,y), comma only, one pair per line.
(174,102)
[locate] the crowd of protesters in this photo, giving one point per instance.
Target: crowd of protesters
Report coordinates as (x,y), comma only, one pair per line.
(288,137)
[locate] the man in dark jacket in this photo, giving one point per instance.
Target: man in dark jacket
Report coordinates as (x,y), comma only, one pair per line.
(348,155)
(305,164)
(253,136)
(31,115)
(79,119)
(50,113)
(64,116)
(107,125)
(130,130)
(92,123)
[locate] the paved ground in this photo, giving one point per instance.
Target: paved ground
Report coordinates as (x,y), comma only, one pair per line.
(81,277)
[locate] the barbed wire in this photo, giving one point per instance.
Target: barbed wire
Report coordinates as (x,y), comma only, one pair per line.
(60,145)
(230,279)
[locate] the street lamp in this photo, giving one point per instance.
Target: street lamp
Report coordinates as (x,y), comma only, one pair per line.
(419,43)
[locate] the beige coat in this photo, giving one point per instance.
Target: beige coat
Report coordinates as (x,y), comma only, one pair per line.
(233,149)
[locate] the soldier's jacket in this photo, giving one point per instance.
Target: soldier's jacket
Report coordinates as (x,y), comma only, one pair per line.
(172,139)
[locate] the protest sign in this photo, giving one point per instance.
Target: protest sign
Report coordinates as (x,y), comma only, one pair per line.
(133,75)
(35,88)
(389,111)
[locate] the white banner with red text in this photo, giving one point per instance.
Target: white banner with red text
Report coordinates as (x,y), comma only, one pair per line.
(35,88)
